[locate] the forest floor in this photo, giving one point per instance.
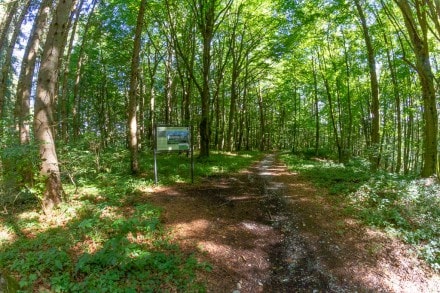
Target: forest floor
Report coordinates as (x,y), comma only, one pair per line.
(268,230)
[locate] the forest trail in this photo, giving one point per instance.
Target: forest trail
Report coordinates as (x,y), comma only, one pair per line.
(268,230)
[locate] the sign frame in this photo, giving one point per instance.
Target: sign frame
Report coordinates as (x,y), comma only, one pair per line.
(173,139)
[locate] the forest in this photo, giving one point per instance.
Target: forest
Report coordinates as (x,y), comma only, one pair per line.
(345,92)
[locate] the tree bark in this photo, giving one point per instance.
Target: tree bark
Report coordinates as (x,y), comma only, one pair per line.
(375,119)
(206,23)
(6,66)
(64,103)
(316,108)
(133,92)
(44,105)
(398,108)
(417,28)
(76,120)
(263,138)
(24,86)
(10,12)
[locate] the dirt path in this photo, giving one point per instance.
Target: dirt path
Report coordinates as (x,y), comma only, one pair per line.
(267,230)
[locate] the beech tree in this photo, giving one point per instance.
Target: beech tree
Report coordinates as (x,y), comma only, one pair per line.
(375,119)
(8,52)
(24,87)
(416,23)
(45,104)
(133,93)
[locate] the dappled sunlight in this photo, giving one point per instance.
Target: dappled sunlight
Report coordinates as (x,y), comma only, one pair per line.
(111,213)
(6,234)
(383,265)
(191,229)
(240,259)
(239,198)
(256,228)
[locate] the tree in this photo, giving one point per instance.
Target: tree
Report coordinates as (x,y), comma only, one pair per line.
(416,23)
(375,119)
(8,56)
(133,92)
(24,87)
(207,16)
(44,105)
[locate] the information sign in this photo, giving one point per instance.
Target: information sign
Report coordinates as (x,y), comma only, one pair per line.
(172,138)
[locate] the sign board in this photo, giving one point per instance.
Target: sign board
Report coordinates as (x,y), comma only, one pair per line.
(172,138)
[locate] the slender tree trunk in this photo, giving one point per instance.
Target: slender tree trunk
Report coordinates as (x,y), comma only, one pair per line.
(133,92)
(348,147)
(262,121)
(6,66)
(24,87)
(236,51)
(206,20)
(11,11)
(76,119)
(333,121)
(398,110)
(44,104)
(417,28)
(168,85)
(207,29)
(375,119)
(316,108)
(64,103)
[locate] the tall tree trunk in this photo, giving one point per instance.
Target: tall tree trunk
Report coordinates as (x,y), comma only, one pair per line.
(262,120)
(333,121)
(76,120)
(206,25)
(417,27)
(409,136)
(348,147)
(133,92)
(398,110)
(44,104)
(236,52)
(6,66)
(168,85)
(11,11)
(207,21)
(24,87)
(152,69)
(64,103)
(375,119)
(316,108)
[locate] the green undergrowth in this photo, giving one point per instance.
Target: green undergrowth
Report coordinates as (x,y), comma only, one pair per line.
(105,235)
(405,207)
(99,247)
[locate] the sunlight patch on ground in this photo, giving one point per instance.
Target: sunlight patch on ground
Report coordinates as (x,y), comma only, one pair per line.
(243,198)
(5,234)
(256,228)
(216,250)
(110,212)
(88,190)
(191,229)
(239,260)
(275,186)
(147,189)
(165,189)
(302,186)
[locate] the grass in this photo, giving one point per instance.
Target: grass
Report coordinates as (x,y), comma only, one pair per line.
(405,207)
(105,235)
